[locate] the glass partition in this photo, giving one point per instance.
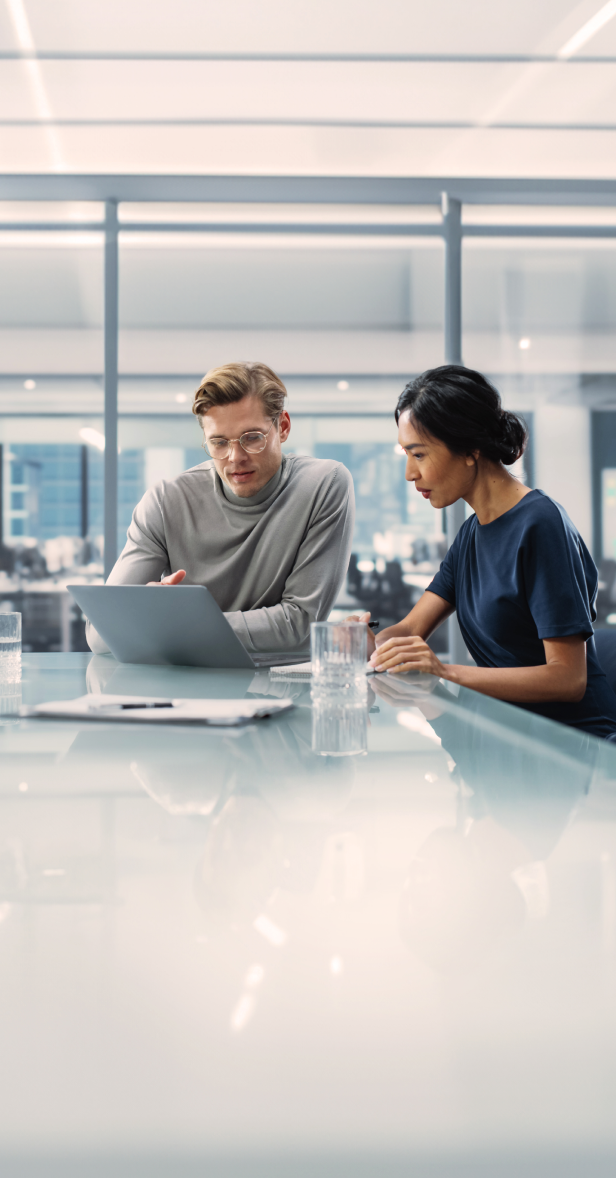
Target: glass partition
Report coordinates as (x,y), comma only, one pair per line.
(51,350)
(346,302)
(343,320)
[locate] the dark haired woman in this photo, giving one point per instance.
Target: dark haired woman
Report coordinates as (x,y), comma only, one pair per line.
(518,573)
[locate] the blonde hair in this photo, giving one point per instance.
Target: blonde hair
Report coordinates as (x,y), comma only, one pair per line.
(233,382)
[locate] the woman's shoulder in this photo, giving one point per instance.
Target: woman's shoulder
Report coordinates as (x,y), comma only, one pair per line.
(541,511)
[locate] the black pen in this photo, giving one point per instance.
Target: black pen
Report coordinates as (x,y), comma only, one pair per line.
(132,707)
(373,625)
(127,707)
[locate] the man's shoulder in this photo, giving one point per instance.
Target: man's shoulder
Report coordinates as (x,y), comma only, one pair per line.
(306,471)
(196,477)
(204,468)
(162,496)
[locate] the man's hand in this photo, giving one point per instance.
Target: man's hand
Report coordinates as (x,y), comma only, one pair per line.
(371,639)
(172,579)
(406,654)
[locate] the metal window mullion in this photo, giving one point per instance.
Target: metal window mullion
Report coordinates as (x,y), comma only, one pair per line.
(452,236)
(110,331)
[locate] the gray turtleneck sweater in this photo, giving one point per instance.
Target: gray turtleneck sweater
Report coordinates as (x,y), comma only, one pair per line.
(274,562)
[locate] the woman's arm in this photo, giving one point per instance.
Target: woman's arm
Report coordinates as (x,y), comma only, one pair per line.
(562,679)
(423,620)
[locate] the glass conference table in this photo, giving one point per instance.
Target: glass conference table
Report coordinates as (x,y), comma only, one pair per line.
(223,953)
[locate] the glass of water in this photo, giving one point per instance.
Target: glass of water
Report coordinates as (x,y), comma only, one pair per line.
(339,654)
(10,648)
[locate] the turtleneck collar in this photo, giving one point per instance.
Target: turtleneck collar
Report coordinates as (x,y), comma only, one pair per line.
(260,497)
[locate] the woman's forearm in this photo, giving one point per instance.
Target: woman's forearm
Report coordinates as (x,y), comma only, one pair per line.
(548,683)
(424,618)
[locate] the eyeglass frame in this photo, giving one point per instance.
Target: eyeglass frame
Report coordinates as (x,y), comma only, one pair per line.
(231,442)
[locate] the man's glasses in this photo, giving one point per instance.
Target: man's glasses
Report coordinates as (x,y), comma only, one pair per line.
(252,442)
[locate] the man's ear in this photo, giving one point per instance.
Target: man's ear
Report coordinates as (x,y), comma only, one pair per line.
(285,425)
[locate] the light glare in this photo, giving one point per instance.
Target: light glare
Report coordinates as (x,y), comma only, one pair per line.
(40,99)
(592,26)
(243,1012)
(272,933)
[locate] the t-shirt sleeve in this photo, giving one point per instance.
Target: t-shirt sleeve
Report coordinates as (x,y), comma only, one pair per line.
(557,566)
(444,583)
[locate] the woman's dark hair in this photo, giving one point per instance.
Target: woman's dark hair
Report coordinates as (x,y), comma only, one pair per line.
(462,409)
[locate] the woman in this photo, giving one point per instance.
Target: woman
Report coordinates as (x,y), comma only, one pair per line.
(518,573)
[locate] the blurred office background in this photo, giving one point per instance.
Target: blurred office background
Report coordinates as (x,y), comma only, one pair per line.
(345,298)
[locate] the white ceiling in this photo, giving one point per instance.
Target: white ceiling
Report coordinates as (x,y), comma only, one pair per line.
(494,98)
(305,26)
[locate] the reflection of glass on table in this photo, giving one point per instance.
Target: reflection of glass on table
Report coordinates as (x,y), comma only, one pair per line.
(10,698)
(340,726)
(10,647)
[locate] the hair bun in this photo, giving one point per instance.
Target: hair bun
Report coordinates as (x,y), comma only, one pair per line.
(461,408)
(513,437)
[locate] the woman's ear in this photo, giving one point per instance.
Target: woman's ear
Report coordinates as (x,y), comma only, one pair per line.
(473,458)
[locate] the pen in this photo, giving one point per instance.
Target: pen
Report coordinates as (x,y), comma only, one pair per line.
(128,707)
(131,707)
(373,625)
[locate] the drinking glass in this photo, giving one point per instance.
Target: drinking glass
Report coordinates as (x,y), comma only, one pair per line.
(339,654)
(10,648)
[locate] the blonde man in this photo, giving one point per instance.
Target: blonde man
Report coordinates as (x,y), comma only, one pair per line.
(268,533)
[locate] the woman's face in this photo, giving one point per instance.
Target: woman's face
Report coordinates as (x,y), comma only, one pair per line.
(438,474)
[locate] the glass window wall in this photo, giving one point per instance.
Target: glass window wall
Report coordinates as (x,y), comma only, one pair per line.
(51,351)
(346,303)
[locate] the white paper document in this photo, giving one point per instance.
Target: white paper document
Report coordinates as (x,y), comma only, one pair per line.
(219,713)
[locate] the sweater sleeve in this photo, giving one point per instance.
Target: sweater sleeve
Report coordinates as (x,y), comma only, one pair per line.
(315,579)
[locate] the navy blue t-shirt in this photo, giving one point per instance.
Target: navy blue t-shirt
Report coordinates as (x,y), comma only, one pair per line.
(524,577)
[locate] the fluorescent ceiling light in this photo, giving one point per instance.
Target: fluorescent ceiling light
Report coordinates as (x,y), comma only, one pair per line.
(25,40)
(93,437)
(588,30)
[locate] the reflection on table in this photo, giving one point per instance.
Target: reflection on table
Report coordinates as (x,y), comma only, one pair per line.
(233,933)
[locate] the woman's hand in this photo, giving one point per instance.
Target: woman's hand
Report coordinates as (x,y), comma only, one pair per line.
(364,618)
(406,654)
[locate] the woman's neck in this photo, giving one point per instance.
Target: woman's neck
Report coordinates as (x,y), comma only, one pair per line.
(494,492)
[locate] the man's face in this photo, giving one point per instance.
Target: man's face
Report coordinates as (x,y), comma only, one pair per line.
(246,473)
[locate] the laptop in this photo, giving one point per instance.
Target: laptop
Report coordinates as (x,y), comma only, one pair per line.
(178,625)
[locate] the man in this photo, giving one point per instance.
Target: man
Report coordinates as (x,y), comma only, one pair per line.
(268,534)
